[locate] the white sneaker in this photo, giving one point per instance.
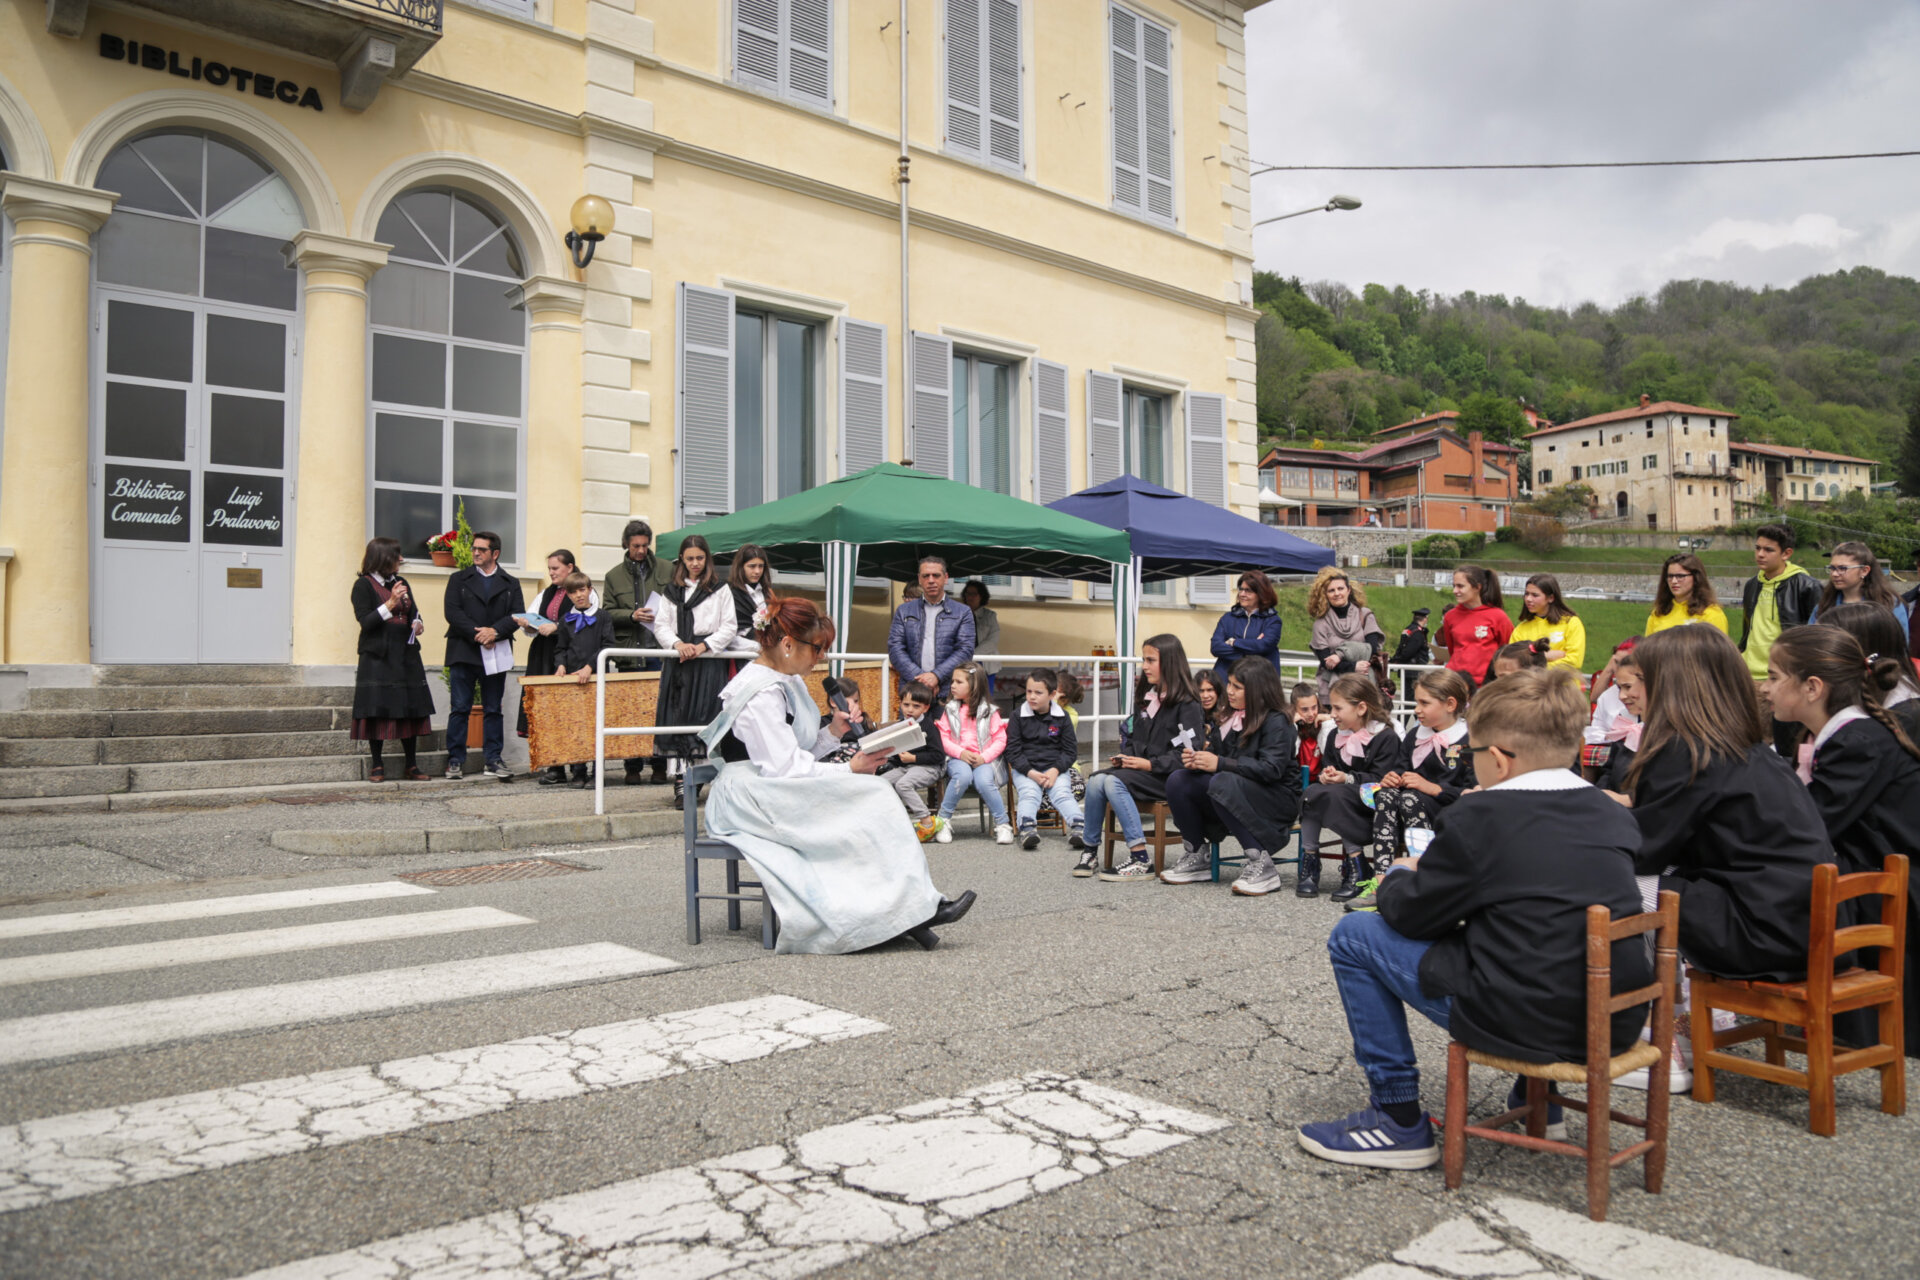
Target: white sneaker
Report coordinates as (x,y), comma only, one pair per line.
(1003,834)
(943,831)
(1679,1072)
(1194,866)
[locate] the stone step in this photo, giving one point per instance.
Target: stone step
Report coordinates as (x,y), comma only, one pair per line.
(171,697)
(195,673)
(195,775)
(24,753)
(147,724)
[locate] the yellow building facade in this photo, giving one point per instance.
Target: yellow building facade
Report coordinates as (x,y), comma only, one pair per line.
(281,276)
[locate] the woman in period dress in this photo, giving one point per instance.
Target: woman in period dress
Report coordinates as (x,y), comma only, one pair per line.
(839,859)
(750,579)
(699,619)
(390,695)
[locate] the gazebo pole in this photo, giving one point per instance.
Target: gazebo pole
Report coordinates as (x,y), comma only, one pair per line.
(842,562)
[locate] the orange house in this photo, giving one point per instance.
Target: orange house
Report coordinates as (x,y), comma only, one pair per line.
(1425,475)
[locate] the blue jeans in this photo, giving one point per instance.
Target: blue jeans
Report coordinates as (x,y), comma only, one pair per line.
(1026,793)
(1378,973)
(493,688)
(1105,789)
(984,778)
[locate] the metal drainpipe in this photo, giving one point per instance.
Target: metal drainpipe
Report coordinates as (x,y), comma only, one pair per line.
(906,292)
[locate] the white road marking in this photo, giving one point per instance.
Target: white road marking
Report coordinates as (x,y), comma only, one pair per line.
(812,1203)
(252,942)
(84,1032)
(87,1152)
(203,908)
(1468,1248)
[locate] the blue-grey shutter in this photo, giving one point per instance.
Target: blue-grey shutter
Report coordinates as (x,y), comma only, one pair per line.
(930,433)
(1052,476)
(756,42)
(863,395)
(704,405)
(1156,117)
(1123,31)
(1000,91)
(810,51)
(1207,477)
(964,98)
(1106,425)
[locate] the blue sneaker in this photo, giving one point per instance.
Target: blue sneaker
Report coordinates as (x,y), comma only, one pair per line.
(1556,1118)
(1371,1138)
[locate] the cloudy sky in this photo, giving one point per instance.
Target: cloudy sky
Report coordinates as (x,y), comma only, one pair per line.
(1497,81)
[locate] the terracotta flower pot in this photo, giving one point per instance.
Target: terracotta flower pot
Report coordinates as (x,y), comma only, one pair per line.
(444,559)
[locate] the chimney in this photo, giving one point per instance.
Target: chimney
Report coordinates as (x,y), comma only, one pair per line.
(1477,443)
(1645,399)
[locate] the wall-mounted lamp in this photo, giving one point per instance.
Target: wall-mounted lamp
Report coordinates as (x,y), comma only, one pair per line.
(592,218)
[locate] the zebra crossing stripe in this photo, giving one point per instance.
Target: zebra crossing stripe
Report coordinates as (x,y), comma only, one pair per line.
(799,1207)
(253,942)
(87,1152)
(204,908)
(86,1032)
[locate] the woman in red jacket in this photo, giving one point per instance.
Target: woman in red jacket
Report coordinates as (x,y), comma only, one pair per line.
(1475,628)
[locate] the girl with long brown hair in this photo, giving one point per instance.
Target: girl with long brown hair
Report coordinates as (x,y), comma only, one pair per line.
(699,619)
(1166,721)
(1357,746)
(1545,615)
(1684,595)
(1855,577)
(839,859)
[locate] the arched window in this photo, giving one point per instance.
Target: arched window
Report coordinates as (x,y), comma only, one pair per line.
(1820,490)
(448,371)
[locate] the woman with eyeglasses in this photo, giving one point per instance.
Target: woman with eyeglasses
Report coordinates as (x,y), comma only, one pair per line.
(1855,577)
(1685,595)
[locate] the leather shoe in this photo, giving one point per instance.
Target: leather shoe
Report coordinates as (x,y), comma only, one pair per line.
(926,937)
(952,911)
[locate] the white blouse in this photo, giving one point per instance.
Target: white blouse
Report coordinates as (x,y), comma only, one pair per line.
(771,743)
(713,617)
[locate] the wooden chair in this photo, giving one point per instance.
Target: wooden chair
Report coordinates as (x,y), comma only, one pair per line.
(1159,836)
(698,848)
(1811,1004)
(937,794)
(1598,1072)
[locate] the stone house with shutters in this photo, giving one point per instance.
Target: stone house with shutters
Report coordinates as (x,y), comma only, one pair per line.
(278,277)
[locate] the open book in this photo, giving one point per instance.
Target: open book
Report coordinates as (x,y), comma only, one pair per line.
(901,735)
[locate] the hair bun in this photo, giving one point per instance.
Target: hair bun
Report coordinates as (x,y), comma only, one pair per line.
(1887,672)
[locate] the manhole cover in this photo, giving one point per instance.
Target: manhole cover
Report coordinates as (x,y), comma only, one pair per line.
(524,869)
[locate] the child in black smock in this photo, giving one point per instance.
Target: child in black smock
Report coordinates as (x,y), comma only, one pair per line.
(1436,766)
(1358,746)
(1246,782)
(584,630)
(1167,721)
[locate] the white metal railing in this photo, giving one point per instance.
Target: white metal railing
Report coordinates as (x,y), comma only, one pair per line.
(1303,665)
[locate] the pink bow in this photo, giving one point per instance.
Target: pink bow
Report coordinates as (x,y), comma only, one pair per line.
(1233,723)
(1423,747)
(1627,732)
(1803,763)
(1356,738)
(1153,703)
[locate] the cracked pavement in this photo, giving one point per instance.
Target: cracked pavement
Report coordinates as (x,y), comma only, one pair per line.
(1185,997)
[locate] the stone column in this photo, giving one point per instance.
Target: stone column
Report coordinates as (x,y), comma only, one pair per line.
(553,419)
(44,468)
(330,511)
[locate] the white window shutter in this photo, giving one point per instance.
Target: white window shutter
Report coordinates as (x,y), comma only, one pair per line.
(1207,477)
(863,395)
(931,431)
(1105,425)
(1124,49)
(1001,91)
(810,51)
(1156,116)
(1052,476)
(756,42)
(964,100)
(704,405)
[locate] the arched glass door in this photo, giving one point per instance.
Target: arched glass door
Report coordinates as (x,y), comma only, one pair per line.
(195,310)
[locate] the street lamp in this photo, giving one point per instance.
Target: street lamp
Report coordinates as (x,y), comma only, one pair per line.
(1338,202)
(592,218)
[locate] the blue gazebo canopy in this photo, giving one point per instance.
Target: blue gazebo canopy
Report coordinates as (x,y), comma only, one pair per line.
(1175,536)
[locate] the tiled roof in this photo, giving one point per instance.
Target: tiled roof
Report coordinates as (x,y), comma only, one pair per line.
(1637,411)
(1445,415)
(1788,451)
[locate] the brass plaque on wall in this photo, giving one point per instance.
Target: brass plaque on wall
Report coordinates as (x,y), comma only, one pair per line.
(243,578)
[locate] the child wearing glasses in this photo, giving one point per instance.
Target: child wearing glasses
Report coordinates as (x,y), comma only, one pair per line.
(1684,595)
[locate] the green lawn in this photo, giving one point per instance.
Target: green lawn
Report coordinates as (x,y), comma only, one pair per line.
(1723,555)
(1608,622)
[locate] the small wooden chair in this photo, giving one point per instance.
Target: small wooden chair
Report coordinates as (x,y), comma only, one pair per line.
(700,847)
(1598,1072)
(1161,834)
(1811,1004)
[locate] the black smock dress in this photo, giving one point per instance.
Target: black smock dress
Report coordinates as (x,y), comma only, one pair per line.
(690,691)
(390,695)
(1152,738)
(1337,805)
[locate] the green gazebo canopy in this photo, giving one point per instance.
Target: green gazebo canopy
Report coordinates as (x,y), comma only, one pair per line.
(895,515)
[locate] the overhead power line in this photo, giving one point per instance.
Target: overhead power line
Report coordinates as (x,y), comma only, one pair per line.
(1578,164)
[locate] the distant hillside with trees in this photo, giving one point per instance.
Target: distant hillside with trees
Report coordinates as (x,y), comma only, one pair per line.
(1831,363)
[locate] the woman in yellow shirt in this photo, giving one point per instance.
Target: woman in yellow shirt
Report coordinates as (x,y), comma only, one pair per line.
(1545,616)
(1685,595)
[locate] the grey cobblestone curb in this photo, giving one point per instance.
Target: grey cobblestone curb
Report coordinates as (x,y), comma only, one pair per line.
(525,833)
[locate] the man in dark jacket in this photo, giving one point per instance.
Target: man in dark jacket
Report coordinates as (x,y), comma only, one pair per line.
(1781,595)
(1485,934)
(924,650)
(638,577)
(480,605)
(1413,649)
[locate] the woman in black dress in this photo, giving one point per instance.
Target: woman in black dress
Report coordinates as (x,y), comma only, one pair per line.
(750,580)
(552,607)
(390,695)
(700,618)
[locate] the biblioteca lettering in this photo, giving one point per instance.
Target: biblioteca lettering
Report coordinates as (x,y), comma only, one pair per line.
(217,74)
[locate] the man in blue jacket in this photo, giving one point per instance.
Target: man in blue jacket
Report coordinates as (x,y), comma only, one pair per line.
(930,635)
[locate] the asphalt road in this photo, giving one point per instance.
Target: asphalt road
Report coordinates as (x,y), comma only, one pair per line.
(1162,1045)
